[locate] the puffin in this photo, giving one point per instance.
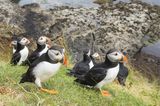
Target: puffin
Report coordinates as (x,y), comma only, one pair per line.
(82,67)
(42,47)
(13,44)
(123,71)
(43,68)
(103,73)
(21,52)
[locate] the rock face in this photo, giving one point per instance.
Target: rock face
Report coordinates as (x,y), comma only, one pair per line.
(148,60)
(122,25)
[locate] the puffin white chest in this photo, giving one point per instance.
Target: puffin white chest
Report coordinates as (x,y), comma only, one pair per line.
(110,76)
(43,51)
(14,50)
(91,64)
(45,70)
(24,54)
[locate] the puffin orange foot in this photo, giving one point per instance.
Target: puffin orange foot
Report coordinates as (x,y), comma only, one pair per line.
(105,93)
(53,92)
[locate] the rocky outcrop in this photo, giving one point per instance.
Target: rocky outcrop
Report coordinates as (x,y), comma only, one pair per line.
(122,25)
(148,61)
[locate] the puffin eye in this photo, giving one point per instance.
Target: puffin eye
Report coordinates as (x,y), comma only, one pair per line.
(116,54)
(57,54)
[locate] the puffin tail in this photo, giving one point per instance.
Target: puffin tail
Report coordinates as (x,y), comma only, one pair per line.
(70,72)
(25,78)
(80,79)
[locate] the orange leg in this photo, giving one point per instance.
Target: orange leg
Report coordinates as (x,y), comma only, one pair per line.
(53,92)
(65,62)
(105,93)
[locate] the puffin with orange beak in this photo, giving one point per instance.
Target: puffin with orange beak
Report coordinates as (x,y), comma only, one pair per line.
(43,44)
(43,68)
(21,52)
(103,73)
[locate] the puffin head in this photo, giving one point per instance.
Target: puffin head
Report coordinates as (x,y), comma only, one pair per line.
(44,40)
(96,56)
(87,52)
(56,53)
(14,41)
(115,56)
(24,41)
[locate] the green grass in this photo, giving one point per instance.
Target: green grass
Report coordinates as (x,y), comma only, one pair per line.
(137,93)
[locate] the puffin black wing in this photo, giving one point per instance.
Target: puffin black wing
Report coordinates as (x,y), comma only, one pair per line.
(94,76)
(80,69)
(15,58)
(28,76)
(32,57)
(122,75)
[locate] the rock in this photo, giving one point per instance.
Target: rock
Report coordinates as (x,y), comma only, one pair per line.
(148,60)
(152,49)
(121,25)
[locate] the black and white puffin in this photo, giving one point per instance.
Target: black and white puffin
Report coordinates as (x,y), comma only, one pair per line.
(13,43)
(104,72)
(21,52)
(42,47)
(82,67)
(44,67)
(123,71)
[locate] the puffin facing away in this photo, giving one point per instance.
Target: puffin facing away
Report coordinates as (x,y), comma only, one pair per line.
(21,53)
(103,73)
(82,67)
(44,67)
(42,48)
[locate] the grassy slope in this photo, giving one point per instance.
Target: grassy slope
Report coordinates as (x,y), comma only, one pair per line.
(140,92)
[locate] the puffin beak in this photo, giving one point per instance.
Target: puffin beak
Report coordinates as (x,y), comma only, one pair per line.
(124,59)
(28,42)
(65,60)
(48,41)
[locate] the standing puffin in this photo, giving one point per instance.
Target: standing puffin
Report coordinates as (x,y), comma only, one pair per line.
(104,72)
(44,67)
(42,47)
(21,53)
(82,67)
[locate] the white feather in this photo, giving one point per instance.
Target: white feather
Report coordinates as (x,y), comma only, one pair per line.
(43,51)
(110,76)
(14,50)
(91,64)
(24,54)
(45,70)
